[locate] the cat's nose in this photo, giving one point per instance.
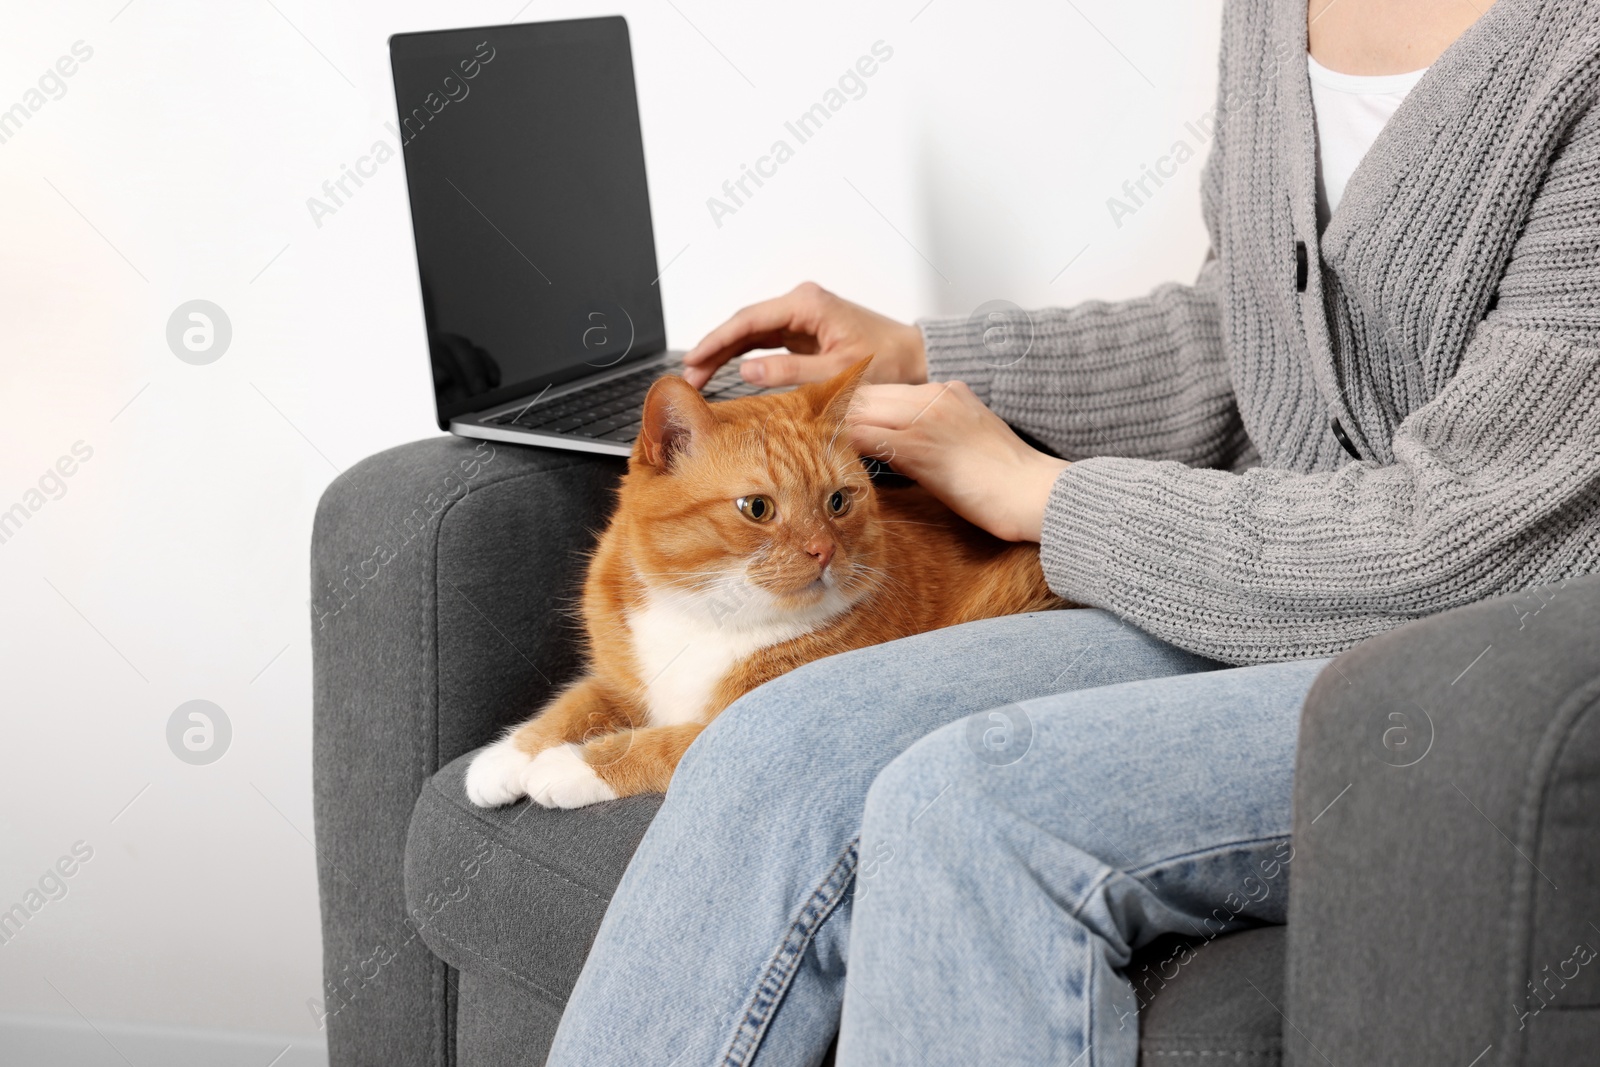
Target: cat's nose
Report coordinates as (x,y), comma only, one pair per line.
(821,550)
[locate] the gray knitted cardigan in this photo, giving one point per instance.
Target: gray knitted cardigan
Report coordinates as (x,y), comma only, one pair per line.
(1446,325)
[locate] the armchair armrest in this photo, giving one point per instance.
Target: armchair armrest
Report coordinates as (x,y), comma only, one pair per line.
(1445,890)
(442,575)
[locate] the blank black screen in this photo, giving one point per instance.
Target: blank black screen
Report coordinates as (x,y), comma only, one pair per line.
(528,203)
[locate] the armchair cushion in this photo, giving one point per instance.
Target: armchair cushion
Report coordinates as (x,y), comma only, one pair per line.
(516,894)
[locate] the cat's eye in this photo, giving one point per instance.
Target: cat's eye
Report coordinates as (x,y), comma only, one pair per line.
(757,508)
(839,502)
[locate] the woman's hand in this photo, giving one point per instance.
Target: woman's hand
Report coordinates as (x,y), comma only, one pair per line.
(823,334)
(943,436)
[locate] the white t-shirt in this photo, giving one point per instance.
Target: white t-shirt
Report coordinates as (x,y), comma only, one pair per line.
(1351,111)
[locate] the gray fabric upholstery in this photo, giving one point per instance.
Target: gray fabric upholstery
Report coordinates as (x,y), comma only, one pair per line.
(515,895)
(499,1022)
(440,571)
(1210,1001)
(1461,861)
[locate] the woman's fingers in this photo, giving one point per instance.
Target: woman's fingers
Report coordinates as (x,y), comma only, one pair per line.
(698,371)
(897,406)
(810,322)
(757,320)
(781,368)
(943,436)
(702,362)
(796,313)
(882,443)
(887,423)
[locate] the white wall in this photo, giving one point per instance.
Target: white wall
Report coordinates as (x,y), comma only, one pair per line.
(177,166)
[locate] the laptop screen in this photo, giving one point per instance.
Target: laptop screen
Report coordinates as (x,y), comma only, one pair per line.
(528,205)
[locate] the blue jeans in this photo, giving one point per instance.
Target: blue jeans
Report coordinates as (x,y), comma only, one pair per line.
(979,824)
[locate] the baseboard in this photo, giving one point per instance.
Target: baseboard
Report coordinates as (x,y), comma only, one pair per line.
(55,1041)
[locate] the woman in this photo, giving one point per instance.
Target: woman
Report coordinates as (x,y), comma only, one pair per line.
(1380,400)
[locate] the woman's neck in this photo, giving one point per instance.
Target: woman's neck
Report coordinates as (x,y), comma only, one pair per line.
(1386,36)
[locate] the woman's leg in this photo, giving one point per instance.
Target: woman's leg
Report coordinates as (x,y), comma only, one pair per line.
(728,933)
(1004,896)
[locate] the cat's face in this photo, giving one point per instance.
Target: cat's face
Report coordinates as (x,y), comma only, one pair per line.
(756,508)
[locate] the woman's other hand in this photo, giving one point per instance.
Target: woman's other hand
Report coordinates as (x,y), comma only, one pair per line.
(823,334)
(943,436)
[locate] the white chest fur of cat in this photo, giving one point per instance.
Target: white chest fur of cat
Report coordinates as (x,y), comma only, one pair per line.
(686,643)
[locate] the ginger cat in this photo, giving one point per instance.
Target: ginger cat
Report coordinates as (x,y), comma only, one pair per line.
(748,540)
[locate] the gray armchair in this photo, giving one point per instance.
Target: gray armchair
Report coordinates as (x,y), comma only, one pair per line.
(1444,860)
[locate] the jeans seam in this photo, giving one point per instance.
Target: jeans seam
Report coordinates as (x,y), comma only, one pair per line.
(1155,865)
(1088,988)
(785,960)
(1107,872)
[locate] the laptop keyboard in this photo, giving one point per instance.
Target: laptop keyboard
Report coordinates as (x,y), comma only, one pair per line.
(611,410)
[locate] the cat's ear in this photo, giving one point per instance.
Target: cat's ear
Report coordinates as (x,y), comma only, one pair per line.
(830,400)
(674,415)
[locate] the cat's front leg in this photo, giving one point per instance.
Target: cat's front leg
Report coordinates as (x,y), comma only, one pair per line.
(617,765)
(585,710)
(633,761)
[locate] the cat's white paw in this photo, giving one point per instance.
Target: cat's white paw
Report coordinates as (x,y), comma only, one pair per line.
(560,778)
(494,778)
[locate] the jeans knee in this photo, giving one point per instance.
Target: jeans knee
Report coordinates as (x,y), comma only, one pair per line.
(808,718)
(918,778)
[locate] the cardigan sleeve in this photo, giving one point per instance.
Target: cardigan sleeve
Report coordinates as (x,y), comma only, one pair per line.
(1143,378)
(1495,487)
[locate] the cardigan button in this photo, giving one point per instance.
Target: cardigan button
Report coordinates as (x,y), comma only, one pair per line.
(1302,266)
(1343,438)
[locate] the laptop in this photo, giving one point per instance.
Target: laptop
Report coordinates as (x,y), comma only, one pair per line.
(525,168)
